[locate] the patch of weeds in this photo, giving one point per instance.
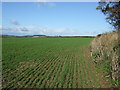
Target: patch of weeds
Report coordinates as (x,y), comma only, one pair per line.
(96,55)
(114,82)
(104,65)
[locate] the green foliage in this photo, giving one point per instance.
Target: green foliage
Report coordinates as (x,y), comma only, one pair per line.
(96,55)
(112,11)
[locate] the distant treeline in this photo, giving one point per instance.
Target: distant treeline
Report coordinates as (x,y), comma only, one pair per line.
(37,36)
(12,36)
(68,36)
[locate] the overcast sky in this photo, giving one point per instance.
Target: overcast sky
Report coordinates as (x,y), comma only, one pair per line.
(60,18)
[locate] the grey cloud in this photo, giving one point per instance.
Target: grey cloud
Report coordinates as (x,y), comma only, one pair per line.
(24,29)
(15,22)
(46,4)
(50,4)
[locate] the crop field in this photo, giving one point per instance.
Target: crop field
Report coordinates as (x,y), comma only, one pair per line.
(49,63)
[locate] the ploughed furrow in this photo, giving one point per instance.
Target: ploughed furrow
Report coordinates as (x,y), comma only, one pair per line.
(28,73)
(56,73)
(81,72)
(24,76)
(21,72)
(49,73)
(90,80)
(44,72)
(83,75)
(85,85)
(71,72)
(63,72)
(67,75)
(79,79)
